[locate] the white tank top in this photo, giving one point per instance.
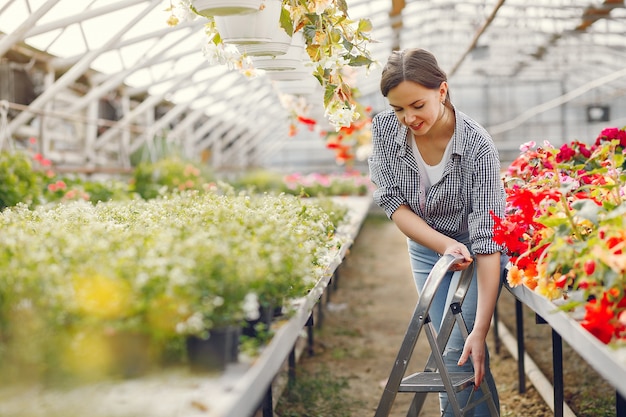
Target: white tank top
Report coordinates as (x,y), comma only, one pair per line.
(431,174)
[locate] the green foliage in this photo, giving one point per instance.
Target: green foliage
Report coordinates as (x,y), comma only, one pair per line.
(151,180)
(69,188)
(309,185)
(162,268)
(260,181)
(19,183)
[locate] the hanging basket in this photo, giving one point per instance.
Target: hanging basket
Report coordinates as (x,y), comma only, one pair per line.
(298,87)
(298,73)
(226,7)
(290,61)
(279,40)
(260,27)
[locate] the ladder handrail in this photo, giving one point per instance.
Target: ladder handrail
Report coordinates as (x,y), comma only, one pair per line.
(436,276)
(447,323)
(433,281)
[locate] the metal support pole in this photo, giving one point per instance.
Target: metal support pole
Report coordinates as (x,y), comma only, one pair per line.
(620,405)
(291,374)
(268,406)
(320,314)
(557,364)
(309,326)
(519,323)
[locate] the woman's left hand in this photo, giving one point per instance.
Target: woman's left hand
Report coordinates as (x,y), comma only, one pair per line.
(475,347)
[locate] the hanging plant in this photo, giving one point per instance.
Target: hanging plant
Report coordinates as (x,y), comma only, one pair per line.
(332,40)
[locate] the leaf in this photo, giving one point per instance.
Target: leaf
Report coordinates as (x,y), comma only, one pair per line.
(343,6)
(285,21)
(360,61)
(618,213)
(587,209)
(365,25)
(329,92)
(570,305)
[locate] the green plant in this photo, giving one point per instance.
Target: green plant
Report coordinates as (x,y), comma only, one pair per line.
(332,39)
(70,187)
(317,394)
(19,183)
(152,179)
(162,268)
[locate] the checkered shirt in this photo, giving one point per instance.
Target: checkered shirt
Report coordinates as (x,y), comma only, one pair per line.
(458,205)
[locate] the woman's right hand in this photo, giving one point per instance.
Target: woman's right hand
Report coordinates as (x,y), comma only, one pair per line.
(459,249)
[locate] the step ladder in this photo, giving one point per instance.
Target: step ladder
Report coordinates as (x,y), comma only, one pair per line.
(435,378)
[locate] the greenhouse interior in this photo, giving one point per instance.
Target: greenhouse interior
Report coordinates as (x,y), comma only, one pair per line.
(142,140)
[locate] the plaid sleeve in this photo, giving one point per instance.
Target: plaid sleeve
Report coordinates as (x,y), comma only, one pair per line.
(382,163)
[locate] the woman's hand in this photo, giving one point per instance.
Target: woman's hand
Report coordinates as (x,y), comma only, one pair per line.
(459,249)
(475,346)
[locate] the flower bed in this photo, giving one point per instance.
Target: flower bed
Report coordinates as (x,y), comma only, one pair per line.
(75,275)
(565,228)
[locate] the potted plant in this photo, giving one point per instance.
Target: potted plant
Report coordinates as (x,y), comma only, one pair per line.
(332,41)
(224,7)
(564,228)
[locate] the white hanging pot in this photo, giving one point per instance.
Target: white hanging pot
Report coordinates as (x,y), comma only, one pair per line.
(290,61)
(252,28)
(298,73)
(297,88)
(226,7)
(279,39)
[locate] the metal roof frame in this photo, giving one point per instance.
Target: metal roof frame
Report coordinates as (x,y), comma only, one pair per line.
(581,43)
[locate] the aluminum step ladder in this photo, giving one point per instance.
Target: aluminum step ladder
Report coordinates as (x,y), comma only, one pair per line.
(435,378)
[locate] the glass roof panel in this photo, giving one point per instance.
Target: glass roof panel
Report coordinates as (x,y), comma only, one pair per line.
(576,41)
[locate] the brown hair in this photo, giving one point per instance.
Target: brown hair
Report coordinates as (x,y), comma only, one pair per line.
(416,65)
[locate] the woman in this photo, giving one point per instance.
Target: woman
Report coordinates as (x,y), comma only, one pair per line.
(437,174)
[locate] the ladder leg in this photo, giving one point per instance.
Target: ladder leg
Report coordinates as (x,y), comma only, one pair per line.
(401,363)
(445,376)
(436,376)
(416,405)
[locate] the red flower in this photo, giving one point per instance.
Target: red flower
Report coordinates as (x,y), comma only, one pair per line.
(566,153)
(589,267)
(598,318)
(307,121)
(610,134)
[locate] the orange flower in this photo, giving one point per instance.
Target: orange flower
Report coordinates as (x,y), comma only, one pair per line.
(515,276)
(530,281)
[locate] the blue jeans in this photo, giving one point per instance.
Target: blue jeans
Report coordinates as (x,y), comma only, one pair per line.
(422,262)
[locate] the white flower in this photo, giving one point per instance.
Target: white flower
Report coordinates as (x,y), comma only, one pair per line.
(333,63)
(223,54)
(319,6)
(251,306)
(339,115)
(194,324)
(182,10)
(364,151)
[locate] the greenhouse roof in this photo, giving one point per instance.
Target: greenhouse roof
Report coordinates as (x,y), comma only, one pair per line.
(111,44)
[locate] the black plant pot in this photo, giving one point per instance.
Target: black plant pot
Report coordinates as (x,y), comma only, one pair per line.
(266,317)
(215,352)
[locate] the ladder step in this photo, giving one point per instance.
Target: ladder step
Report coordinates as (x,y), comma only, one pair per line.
(431,382)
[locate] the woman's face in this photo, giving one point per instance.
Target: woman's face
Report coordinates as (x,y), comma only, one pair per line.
(417,107)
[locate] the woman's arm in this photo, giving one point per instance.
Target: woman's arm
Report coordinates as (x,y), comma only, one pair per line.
(488,273)
(414,227)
